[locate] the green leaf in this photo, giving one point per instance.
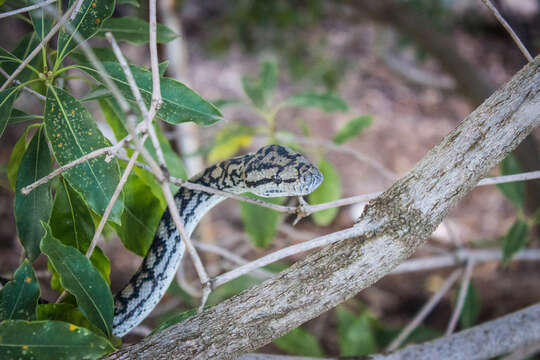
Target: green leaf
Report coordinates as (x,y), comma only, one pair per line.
(471,308)
(356,336)
(72,223)
(352,128)
(40,19)
(18,116)
(80,278)
(329,190)
(19,297)
(135,30)
(514,240)
(73,133)
(134,3)
(260,89)
(163,67)
(64,312)
(221,103)
(229,141)
(7,97)
(514,191)
(50,340)
(9,61)
(142,212)
(16,156)
(175,319)
(300,342)
(88,21)
(172,160)
(180,103)
(35,207)
(325,102)
(260,223)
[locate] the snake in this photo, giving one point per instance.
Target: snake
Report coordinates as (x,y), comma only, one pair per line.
(271,171)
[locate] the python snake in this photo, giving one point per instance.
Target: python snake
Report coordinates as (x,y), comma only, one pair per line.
(271,171)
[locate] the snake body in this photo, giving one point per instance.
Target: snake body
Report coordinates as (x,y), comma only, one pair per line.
(271,171)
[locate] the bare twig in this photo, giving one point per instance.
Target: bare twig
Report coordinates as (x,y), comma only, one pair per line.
(509,29)
(523,352)
(25,9)
(111,203)
(387,173)
(47,37)
(424,312)
(461,256)
(156,170)
(461,297)
(25,88)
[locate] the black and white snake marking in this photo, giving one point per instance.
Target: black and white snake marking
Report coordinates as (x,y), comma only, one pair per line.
(271,171)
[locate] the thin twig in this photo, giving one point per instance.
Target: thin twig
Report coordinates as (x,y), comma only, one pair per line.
(460,257)
(156,85)
(461,297)
(25,9)
(425,311)
(25,88)
(37,49)
(157,171)
(509,29)
(108,151)
(387,173)
(111,203)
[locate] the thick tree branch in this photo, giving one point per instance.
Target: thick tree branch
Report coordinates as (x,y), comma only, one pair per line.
(391,228)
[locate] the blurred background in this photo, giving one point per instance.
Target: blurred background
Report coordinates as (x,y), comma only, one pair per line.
(396,76)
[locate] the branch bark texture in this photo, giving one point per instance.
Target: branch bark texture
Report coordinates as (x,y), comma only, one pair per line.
(391,228)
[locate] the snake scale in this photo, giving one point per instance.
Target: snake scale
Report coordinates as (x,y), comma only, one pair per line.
(271,171)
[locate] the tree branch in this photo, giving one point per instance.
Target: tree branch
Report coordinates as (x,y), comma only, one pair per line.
(391,228)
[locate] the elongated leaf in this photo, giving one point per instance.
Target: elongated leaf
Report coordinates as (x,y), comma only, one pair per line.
(229,140)
(88,21)
(180,103)
(80,278)
(18,116)
(7,97)
(40,19)
(73,133)
(260,89)
(329,190)
(9,61)
(19,297)
(16,156)
(35,207)
(325,102)
(514,191)
(514,240)
(50,340)
(135,30)
(471,308)
(71,223)
(300,342)
(142,211)
(352,128)
(134,3)
(356,337)
(260,223)
(64,312)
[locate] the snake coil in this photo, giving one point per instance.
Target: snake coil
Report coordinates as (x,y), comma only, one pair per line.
(271,171)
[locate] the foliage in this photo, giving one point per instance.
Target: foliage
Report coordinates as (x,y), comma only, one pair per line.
(58,218)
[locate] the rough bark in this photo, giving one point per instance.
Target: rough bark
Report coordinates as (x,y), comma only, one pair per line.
(391,228)
(485,341)
(520,329)
(472,82)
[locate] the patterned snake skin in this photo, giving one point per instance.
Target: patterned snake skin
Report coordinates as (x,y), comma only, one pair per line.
(271,171)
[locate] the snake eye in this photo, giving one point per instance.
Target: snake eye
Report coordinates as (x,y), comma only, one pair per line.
(277,179)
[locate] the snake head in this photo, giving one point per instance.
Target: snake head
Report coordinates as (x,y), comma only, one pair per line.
(278,171)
